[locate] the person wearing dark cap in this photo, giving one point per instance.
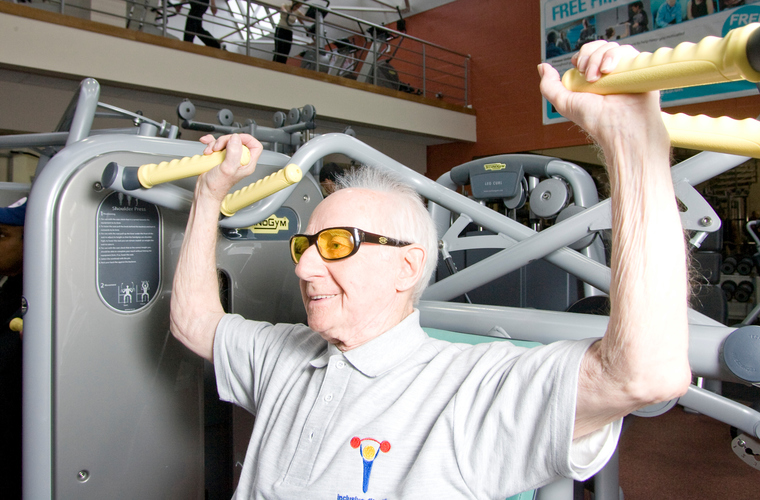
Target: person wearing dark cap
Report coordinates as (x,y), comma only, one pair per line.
(11,267)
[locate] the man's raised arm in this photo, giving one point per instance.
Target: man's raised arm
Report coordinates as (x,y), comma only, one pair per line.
(195,305)
(643,357)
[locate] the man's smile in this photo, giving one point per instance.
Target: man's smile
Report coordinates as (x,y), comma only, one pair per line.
(320,297)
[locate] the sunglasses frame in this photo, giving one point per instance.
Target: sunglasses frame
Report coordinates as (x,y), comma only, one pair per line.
(359,236)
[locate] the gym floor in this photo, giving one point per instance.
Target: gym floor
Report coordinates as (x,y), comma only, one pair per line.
(683,455)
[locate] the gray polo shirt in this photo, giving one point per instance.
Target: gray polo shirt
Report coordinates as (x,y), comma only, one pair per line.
(404,415)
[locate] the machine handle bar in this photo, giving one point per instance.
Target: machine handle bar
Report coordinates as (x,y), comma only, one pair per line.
(712,60)
(722,135)
(261,189)
(152,174)
(157,173)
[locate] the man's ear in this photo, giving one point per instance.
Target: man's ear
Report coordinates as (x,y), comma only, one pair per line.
(411,267)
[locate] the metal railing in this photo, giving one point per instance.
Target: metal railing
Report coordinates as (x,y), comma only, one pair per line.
(313,37)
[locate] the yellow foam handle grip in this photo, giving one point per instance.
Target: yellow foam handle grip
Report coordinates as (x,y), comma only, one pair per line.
(712,60)
(261,189)
(16,324)
(157,173)
(722,135)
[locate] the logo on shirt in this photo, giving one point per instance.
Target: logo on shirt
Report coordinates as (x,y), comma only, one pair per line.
(369,449)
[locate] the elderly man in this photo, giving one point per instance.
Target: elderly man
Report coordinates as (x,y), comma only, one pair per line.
(362,404)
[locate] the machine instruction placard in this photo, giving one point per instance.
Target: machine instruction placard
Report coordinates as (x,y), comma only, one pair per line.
(128,253)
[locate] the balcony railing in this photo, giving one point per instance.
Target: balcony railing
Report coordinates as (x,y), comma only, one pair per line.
(312,37)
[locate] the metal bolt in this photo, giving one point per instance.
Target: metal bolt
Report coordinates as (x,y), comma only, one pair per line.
(306,198)
(741,443)
(705,221)
(83,475)
(546,195)
(97,186)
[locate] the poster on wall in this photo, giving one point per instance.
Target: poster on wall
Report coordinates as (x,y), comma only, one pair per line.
(647,25)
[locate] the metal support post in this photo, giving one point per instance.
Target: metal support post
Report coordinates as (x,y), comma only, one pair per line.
(424,77)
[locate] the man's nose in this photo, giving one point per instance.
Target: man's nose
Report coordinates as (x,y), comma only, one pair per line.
(310,264)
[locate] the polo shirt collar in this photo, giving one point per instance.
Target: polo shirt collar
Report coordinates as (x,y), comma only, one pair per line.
(324,358)
(382,353)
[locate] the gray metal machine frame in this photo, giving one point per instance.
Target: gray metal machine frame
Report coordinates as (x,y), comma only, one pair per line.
(517,244)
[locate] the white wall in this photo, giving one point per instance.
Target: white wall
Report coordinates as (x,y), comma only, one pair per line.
(35,104)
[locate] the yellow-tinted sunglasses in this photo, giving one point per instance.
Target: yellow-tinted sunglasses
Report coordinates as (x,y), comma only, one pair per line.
(335,243)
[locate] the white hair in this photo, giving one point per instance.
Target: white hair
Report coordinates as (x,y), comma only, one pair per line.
(406,219)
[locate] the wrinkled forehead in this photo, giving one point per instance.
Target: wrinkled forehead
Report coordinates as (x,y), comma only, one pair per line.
(362,208)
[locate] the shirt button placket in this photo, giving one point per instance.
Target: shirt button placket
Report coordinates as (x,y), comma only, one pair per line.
(333,387)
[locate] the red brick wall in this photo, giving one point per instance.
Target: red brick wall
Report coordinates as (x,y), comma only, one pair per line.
(503,38)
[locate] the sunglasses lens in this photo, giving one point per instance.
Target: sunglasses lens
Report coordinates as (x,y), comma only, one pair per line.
(335,243)
(298,246)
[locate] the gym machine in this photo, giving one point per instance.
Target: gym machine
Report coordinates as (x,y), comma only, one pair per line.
(291,130)
(555,190)
(113,403)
